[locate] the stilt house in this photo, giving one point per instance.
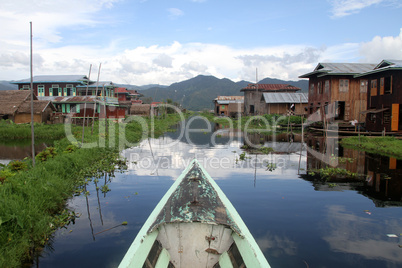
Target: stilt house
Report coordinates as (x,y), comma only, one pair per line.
(335,93)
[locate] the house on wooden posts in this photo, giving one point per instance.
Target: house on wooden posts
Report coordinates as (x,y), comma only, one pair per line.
(76,95)
(124,94)
(335,93)
(384,101)
(232,106)
(286,103)
(127,98)
(16,106)
(254,103)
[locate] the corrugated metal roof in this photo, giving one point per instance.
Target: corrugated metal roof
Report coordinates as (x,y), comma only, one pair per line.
(389,63)
(384,65)
(80,99)
(100,85)
(270,87)
(285,97)
(230,98)
(345,68)
(229,101)
(53,78)
(326,68)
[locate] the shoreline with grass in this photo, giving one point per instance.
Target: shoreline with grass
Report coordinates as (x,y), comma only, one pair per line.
(388,146)
(33,199)
(263,123)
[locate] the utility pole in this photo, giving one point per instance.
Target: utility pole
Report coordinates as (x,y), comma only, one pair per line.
(32,107)
(256,86)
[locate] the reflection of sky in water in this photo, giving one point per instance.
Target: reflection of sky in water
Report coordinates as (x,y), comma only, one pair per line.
(294,225)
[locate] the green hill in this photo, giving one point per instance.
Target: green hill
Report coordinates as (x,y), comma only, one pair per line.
(199,92)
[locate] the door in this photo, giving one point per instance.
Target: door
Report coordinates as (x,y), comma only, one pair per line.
(395,117)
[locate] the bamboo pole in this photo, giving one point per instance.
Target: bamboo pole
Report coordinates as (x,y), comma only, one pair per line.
(85,105)
(32,107)
(96,95)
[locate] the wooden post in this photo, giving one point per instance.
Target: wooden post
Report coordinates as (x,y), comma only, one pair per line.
(85,106)
(32,108)
(96,96)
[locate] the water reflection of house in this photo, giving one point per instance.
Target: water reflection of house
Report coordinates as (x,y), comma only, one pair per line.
(384,180)
(16,106)
(384,96)
(330,151)
(381,178)
(254,102)
(229,105)
(334,83)
(282,143)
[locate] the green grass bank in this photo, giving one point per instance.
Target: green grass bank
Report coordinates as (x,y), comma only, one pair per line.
(389,146)
(263,123)
(33,199)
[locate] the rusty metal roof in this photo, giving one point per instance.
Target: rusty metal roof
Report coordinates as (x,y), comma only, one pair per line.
(79,99)
(285,97)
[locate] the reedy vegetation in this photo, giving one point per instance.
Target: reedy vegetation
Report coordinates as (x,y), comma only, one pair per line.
(33,199)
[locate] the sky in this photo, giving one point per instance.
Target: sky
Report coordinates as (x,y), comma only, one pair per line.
(142,42)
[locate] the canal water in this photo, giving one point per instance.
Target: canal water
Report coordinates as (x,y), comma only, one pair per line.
(296,219)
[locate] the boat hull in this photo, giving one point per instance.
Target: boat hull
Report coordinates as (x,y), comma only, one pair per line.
(194,225)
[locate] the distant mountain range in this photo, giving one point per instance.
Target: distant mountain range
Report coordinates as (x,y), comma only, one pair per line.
(196,93)
(199,92)
(5,85)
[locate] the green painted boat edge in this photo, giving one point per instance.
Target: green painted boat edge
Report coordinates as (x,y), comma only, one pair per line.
(248,247)
(134,252)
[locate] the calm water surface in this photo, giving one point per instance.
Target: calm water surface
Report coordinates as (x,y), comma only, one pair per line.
(296,220)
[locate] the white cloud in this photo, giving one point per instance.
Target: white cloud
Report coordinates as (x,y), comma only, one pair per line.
(174,13)
(175,62)
(379,48)
(163,60)
(342,8)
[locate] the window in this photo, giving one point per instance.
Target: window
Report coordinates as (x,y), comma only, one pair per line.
(25,87)
(223,107)
(388,85)
(311,88)
(326,88)
(68,91)
(373,88)
(343,85)
(363,86)
(319,87)
(251,109)
(382,86)
(41,90)
(56,91)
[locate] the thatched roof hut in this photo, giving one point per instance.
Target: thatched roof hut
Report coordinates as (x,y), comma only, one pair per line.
(16,105)
(10,100)
(140,109)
